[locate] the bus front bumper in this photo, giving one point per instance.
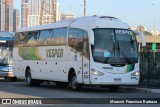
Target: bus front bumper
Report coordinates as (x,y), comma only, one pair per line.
(114,80)
(6,74)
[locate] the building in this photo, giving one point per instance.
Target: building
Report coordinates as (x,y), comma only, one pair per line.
(150,40)
(67,16)
(144,30)
(35,11)
(141,28)
(155,33)
(57,11)
(24,13)
(16,20)
(6,15)
(150,37)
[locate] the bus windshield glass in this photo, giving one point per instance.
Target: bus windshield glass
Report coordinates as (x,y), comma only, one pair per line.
(6,53)
(114,46)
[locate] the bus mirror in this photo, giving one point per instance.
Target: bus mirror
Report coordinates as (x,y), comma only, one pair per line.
(91,35)
(142,36)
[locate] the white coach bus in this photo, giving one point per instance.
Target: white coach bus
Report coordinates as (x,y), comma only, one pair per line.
(83,51)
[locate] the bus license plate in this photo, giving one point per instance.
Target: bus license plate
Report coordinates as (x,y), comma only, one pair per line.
(117,79)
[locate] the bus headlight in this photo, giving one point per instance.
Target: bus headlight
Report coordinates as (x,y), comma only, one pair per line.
(135,73)
(95,72)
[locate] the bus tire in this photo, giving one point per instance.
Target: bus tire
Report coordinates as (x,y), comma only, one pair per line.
(113,88)
(30,81)
(5,78)
(73,83)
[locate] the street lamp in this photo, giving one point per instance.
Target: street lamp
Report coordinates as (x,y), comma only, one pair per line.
(84,7)
(154,20)
(154,44)
(98,7)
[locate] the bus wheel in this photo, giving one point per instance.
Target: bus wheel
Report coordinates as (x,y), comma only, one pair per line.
(30,81)
(74,85)
(113,88)
(5,78)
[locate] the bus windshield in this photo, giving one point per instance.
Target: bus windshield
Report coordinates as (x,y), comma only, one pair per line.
(114,46)
(6,53)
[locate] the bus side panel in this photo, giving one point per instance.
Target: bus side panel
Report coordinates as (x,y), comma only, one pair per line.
(86,70)
(54,62)
(51,64)
(18,64)
(75,62)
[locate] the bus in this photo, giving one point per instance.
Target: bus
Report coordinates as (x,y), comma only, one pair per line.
(92,50)
(6,55)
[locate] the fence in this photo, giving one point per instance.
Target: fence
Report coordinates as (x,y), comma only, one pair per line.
(150,69)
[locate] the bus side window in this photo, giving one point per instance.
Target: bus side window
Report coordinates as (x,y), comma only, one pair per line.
(45,38)
(16,40)
(86,45)
(19,39)
(76,39)
(31,39)
(60,36)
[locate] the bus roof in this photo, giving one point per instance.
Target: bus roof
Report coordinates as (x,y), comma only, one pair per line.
(6,35)
(89,22)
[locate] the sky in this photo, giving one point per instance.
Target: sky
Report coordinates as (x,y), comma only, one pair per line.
(133,12)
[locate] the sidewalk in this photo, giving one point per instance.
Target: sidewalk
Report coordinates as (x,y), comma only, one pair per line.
(148,90)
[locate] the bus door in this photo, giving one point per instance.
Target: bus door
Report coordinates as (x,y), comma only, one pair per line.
(78,41)
(85,60)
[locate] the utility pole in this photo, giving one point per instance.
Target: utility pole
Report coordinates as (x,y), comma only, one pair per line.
(154,20)
(154,44)
(84,7)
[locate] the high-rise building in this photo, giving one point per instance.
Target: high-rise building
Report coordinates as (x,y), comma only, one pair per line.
(57,11)
(34,12)
(24,13)
(16,19)
(6,15)
(67,16)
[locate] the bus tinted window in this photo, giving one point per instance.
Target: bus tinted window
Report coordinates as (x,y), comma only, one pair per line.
(19,39)
(45,38)
(76,38)
(60,36)
(31,39)
(86,45)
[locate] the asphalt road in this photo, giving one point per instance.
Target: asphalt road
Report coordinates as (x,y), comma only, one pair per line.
(19,89)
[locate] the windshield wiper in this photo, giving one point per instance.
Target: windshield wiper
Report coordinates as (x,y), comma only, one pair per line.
(125,56)
(5,58)
(113,49)
(2,64)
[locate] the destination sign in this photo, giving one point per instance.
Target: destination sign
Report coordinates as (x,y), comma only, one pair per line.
(124,32)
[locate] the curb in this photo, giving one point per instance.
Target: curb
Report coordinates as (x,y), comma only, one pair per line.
(147,90)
